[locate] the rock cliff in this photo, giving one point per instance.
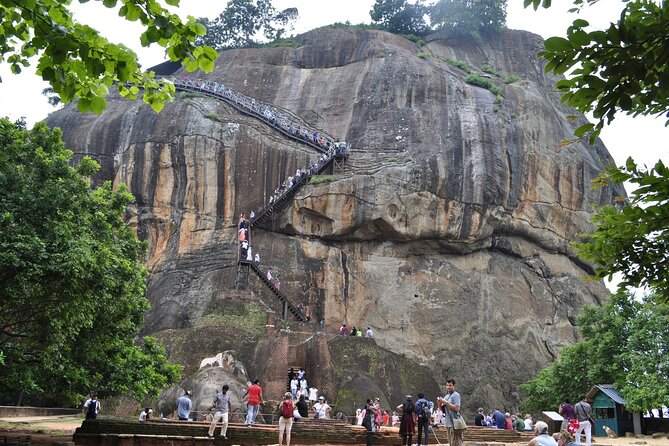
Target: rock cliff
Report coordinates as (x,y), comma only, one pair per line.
(448,231)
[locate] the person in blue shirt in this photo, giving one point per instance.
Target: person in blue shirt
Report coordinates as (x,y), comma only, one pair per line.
(499,419)
(424,412)
(184,405)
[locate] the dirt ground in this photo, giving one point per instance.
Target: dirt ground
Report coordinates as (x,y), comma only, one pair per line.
(59,430)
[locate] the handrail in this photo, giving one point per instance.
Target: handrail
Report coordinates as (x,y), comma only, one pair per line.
(319,140)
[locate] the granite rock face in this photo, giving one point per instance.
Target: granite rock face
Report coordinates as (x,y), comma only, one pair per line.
(448,232)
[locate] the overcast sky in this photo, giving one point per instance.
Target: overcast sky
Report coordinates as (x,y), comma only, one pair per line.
(644,138)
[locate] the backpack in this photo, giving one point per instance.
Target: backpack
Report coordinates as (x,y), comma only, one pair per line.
(287,409)
(425,411)
(92,405)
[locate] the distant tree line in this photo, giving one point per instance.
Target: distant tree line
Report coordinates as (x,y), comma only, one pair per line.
(450,18)
(247,23)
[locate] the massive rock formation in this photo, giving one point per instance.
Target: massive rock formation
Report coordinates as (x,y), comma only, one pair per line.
(448,232)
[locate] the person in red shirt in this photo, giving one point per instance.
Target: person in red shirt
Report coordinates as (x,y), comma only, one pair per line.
(255,400)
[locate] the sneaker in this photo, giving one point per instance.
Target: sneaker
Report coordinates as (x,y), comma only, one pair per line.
(224,437)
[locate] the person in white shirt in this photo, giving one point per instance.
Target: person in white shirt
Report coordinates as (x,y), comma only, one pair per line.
(146,414)
(370,333)
(321,409)
(313,395)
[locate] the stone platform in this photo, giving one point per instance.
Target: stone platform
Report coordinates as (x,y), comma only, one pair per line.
(122,432)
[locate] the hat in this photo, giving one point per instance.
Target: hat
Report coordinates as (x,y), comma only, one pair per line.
(288,395)
(409,398)
(377,399)
(540,427)
(321,397)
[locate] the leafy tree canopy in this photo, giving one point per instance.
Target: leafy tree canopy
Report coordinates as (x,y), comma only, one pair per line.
(81,64)
(71,279)
(624,343)
(633,240)
(243,21)
(622,69)
(468,17)
(400,16)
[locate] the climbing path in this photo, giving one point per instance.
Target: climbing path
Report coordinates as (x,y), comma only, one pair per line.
(280,121)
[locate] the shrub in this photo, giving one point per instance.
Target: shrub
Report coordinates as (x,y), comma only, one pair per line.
(214,116)
(460,64)
(423,55)
(321,179)
(292,43)
(416,39)
(475,79)
(511,79)
(489,69)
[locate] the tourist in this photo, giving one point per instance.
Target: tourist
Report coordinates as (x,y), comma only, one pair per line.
(508,423)
(222,412)
(293,387)
(386,418)
(286,410)
(145,414)
(565,438)
(184,405)
(370,333)
(302,407)
(321,409)
(583,413)
(92,407)
(518,423)
(488,420)
(394,419)
(479,418)
(567,412)
(343,330)
(368,421)
(451,405)
(377,414)
(528,423)
(498,419)
(313,395)
(542,438)
(407,423)
(424,412)
(253,404)
(354,331)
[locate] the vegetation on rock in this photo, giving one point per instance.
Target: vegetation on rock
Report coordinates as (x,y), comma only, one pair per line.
(80,64)
(624,344)
(73,283)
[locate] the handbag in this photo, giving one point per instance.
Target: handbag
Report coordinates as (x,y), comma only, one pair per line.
(574,425)
(459,422)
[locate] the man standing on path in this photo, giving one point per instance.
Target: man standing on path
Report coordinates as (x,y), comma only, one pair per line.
(424,413)
(92,407)
(451,407)
(184,405)
(222,408)
(255,400)
(583,413)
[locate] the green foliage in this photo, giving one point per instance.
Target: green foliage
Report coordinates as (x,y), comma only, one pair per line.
(633,240)
(349,25)
(621,69)
(292,43)
(321,179)
(240,22)
(475,79)
(400,16)
(423,55)
(72,296)
(511,79)
(416,39)
(468,18)
(213,116)
(489,69)
(80,64)
(624,343)
(460,64)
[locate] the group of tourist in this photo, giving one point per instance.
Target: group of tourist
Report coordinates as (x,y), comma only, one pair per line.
(267,113)
(343,331)
(496,418)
